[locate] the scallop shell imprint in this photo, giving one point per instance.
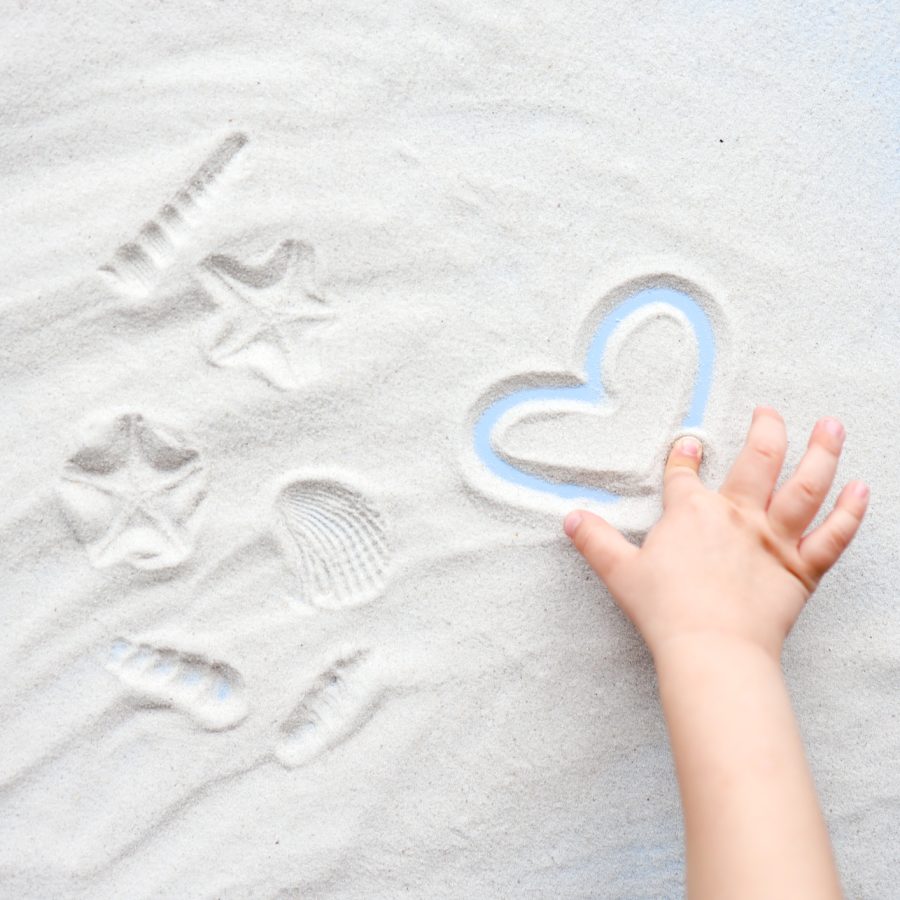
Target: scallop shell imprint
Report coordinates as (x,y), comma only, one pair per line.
(337,540)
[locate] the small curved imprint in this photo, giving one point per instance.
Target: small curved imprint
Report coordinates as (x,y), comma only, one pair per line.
(131,491)
(211,693)
(337,541)
(338,704)
(265,313)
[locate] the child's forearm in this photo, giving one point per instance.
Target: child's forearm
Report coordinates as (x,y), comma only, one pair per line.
(714,589)
(752,821)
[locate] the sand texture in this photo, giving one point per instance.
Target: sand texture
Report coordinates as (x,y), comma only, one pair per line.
(314,321)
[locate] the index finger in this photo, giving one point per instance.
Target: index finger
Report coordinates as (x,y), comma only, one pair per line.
(681,477)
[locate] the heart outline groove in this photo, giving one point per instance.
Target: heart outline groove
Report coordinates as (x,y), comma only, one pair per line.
(592,392)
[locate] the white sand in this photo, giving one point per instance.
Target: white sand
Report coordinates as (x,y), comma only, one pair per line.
(271,628)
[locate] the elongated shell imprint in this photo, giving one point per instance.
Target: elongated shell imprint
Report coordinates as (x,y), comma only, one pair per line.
(337,541)
(337,705)
(210,692)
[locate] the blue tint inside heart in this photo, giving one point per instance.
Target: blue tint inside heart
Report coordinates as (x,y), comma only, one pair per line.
(592,392)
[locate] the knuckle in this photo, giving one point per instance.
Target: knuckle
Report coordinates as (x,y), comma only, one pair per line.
(853,516)
(837,541)
(846,526)
(856,518)
(736,516)
(827,554)
(768,451)
(810,489)
(828,445)
(833,542)
(810,573)
(674,472)
(696,501)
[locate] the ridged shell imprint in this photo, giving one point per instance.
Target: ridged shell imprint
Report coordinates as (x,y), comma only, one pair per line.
(338,542)
(212,693)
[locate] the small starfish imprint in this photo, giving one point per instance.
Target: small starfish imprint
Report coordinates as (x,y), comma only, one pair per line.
(130,492)
(264,310)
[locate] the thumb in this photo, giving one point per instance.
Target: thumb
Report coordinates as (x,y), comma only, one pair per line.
(603,547)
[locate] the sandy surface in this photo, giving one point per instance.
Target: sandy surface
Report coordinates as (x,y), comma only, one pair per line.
(314,321)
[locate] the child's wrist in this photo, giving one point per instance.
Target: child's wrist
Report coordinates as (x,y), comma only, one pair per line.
(710,652)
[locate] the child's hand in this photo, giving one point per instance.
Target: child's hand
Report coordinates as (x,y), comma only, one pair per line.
(731,565)
(714,590)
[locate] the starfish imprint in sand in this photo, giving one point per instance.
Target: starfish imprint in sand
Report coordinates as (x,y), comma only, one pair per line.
(130,492)
(266,311)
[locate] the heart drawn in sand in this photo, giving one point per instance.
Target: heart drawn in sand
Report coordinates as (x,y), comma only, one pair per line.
(551,411)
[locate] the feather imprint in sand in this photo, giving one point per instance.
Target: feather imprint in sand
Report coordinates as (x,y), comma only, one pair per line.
(337,705)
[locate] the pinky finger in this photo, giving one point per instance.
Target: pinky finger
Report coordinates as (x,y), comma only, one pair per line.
(823,546)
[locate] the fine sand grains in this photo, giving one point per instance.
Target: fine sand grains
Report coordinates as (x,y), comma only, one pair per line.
(314,322)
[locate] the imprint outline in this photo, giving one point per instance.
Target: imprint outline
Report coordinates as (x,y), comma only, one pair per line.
(591,390)
(335,539)
(248,319)
(210,692)
(339,702)
(132,498)
(136,266)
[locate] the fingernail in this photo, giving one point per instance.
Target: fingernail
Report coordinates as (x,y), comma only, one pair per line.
(690,446)
(833,427)
(573,520)
(860,490)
